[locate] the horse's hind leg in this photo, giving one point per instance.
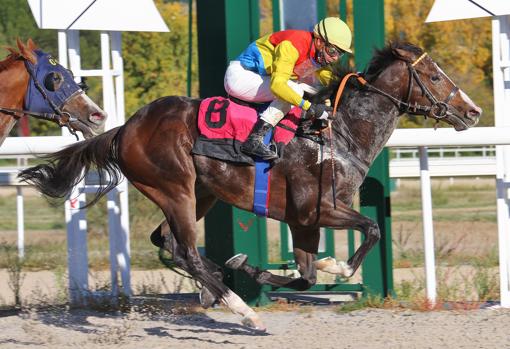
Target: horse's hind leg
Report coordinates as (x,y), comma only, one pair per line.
(181,217)
(305,243)
(162,232)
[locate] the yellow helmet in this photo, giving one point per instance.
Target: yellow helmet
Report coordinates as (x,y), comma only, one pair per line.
(334,31)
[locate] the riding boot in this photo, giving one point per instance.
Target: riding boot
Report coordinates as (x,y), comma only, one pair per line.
(254,144)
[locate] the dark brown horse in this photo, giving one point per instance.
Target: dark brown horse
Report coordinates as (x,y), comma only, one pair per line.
(33,83)
(153,150)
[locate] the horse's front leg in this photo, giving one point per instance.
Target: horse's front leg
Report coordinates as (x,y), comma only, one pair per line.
(345,217)
(305,244)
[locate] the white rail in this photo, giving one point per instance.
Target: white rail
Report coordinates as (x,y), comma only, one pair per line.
(449,137)
(445,167)
(443,137)
(403,137)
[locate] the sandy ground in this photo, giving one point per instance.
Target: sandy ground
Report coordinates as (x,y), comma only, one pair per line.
(317,327)
(162,323)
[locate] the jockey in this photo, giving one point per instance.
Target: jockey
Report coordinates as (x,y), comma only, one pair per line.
(272,68)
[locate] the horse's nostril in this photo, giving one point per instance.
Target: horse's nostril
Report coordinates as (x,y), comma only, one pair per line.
(97,117)
(474,113)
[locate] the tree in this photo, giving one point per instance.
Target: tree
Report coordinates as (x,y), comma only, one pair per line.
(462,48)
(157,62)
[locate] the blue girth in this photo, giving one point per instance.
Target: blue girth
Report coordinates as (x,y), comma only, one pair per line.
(261,187)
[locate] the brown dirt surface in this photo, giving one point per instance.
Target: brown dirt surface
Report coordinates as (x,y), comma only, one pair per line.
(318,327)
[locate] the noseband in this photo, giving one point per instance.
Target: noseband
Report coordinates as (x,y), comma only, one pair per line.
(437,109)
(63,119)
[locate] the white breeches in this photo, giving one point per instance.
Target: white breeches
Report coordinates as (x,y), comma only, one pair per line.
(252,87)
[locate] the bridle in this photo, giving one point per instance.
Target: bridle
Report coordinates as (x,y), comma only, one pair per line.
(62,118)
(437,109)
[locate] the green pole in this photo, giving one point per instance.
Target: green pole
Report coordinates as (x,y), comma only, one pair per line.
(276,16)
(343,10)
(231,25)
(374,195)
(321,9)
(190,46)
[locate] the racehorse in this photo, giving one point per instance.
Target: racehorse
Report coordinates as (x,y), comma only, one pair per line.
(33,83)
(153,150)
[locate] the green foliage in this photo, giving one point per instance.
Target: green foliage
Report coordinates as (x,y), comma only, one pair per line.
(464,52)
(16,21)
(157,63)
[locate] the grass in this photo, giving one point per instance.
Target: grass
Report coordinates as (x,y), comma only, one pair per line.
(465,221)
(465,200)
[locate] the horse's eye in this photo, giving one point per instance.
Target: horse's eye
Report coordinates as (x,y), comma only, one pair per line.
(435,79)
(53,81)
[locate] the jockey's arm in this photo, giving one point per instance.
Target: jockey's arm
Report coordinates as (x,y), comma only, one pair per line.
(286,56)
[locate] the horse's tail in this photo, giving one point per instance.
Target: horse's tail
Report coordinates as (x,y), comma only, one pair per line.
(67,167)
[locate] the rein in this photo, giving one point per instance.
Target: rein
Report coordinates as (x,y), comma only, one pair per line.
(437,109)
(62,119)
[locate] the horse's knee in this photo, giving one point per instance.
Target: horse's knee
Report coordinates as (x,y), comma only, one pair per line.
(373,232)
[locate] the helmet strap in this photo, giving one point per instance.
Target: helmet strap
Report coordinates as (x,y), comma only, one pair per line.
(324,36)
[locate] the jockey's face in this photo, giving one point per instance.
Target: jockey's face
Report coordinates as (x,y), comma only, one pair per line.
(326,53)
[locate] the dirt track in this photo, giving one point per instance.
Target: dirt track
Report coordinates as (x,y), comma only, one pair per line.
(317,327)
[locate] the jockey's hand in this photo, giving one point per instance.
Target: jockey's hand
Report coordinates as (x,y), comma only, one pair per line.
(319,111)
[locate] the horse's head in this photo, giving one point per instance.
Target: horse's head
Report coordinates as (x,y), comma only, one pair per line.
(425,89)
(53,90)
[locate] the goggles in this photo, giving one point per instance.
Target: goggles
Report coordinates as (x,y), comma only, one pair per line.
(333,51)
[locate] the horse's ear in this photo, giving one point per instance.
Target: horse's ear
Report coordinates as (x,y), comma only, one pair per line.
(26,52)
(31,45)
(403,54)
(20,44)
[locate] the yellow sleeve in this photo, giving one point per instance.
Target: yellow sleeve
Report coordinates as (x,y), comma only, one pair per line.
(286,56)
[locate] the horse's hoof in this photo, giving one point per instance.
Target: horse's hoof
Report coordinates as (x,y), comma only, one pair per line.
(237,261)
(346,269)
(253,321)
(330,265)
(324,264)
(207,299)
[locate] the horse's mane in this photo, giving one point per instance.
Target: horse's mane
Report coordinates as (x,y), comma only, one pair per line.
(381,60)
(24,51)
(14,56)
(384,57)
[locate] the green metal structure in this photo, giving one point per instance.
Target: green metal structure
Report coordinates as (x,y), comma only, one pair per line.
(375,191)
(225,28)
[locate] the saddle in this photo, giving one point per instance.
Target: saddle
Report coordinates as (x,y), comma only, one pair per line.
(225,123)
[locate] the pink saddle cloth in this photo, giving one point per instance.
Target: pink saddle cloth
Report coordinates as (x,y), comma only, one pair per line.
(222,118)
